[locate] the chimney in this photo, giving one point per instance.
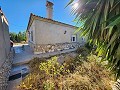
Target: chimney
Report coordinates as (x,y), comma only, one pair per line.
(49,6)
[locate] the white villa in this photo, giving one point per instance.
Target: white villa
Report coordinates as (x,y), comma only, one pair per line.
(48,35)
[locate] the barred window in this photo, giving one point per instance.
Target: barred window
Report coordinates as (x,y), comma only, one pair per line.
(74,39)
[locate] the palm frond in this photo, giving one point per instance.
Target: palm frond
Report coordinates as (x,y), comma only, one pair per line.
(102,25)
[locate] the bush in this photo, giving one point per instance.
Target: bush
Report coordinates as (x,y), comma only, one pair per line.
(44,74)
(71,63)
(34,64)
(85,74)
(52,68)
(89,46)
(90,75)
(83,51)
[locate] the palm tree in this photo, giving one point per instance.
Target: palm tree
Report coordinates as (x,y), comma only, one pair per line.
(101,23)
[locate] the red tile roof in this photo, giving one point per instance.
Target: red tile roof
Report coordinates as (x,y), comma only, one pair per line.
(32,17)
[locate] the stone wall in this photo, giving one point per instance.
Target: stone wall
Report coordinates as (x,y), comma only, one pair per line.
(44,48)
(5,71)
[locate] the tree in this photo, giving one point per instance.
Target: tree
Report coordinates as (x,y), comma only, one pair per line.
(16,38)
(21,36)
(101,23)
(24,36)
(12,36)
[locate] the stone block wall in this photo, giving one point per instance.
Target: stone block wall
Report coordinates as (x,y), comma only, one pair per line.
(45,48)
(5,71)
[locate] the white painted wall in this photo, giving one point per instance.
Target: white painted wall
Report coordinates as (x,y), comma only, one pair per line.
(51,33)
(4,40)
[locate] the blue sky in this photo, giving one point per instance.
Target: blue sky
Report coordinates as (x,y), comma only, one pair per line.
(18,12)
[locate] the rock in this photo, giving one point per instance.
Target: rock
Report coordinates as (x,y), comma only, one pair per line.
(56,47)
(59,49)
(66,48)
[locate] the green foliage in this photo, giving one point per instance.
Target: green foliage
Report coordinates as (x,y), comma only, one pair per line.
(48,85)
(101,23)
(89,46)
(21,36)
(52,68)
(88,74)
(83,51)
(43,74)
(35,63)
(13,36)
(71,63)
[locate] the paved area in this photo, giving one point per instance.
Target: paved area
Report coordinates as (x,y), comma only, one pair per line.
(24,56)
(12,85)
(20,56)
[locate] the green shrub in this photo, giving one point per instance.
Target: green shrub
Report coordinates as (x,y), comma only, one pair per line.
(83,51)
(71,63)
(48,85)
(52,68)
(85,74)
(34,64)
(43,74)
(89,46)
(90,75)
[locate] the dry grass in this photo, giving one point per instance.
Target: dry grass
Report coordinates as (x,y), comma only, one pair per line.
(90,75)
(86,74)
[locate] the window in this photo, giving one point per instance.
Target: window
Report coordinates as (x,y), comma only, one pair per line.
(31,35)
(73,39)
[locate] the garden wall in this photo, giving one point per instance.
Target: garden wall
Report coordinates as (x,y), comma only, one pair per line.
(45,48)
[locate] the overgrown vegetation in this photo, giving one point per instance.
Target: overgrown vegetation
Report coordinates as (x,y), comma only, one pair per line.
(83,51)
(75,73)
(100,21)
